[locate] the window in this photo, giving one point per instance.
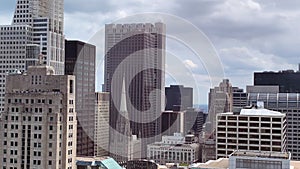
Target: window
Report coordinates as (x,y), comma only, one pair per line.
(71,86)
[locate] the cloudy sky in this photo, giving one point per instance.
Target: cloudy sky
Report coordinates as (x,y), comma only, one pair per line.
(248,35)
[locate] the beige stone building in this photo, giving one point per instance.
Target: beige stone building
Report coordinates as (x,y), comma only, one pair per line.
(101,125)
(38,128)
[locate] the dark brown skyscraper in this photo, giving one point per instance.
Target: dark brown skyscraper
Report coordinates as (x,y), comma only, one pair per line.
(80,61)
(136,53)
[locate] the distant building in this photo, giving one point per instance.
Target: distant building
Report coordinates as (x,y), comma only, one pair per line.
(173,122)
(101,139)
(239,99)
(80,60)
(96,163)
(196,119)
(220,101)
(174,149)
(38,128)
(255,129)
(178,95)
(262,89)
(288,80)
(185,121)
(288,103)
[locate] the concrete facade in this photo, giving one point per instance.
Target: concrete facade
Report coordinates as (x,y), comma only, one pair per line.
(36,25)
(101,137)
(255,129)
(173,149)
(288,103)
(39,121)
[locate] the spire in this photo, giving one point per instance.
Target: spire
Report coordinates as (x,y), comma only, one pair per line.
(123,104)
(123,123)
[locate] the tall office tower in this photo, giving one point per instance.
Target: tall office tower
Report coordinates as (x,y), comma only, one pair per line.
(255,129)
(178,95)
(288,80)
(80,60)
(38,129)
(101,125)
(288,103)
(136,52)
(220,101)
(36,32)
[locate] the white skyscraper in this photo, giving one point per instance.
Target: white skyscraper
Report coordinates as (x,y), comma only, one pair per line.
(36,32)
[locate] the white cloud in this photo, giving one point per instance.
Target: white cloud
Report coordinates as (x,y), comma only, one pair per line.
(190,64)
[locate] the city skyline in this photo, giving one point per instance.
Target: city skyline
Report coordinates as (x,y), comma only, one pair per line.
(266,38)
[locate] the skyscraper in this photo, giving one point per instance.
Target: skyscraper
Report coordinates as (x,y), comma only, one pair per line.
(178,95)
(80,60)
(36,32)
(288,80)
(220,101)
(38,129)
(136,52)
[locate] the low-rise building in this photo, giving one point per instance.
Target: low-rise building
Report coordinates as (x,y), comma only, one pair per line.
(173,149)
(96,163)
(251,160)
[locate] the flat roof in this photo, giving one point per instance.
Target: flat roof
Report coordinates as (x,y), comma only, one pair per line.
(262,154)
(256,112)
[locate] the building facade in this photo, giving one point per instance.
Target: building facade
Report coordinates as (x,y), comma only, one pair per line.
(101,125)
(36,32)
(38,128)
(136,52)
(178,95)
(220,101)
(173,149)
(80,60)
(288,103)
(288,80)
(259,159)
(255,129)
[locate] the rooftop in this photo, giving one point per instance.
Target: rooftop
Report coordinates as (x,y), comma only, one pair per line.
(262,154)
(107,162)
(257,112)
